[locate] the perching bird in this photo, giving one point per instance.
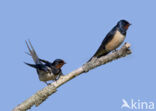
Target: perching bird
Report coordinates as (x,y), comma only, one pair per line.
(55,66)
(113,39)
(47,71)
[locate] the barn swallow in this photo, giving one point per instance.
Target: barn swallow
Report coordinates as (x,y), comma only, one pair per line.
(46,70)
(55,66)
(113,39)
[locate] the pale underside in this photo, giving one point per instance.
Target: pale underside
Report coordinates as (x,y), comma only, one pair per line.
(115,42)
(46,76)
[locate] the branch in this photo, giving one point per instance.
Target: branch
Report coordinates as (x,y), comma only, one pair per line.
(43,94)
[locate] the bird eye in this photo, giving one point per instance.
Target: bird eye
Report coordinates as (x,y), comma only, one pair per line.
(126,26)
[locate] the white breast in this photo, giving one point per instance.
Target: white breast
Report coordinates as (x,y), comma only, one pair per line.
(115,42)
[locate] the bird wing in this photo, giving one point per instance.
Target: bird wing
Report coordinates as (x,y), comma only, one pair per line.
(46,62)
(109,36)
(101,50)
(39,67)
(31,65)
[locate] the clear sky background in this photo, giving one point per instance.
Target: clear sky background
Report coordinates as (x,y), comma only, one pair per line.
(73,30)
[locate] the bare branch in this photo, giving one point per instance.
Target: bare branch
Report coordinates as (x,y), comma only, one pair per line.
(43,94)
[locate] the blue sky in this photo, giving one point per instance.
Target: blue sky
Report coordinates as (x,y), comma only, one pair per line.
(73,30)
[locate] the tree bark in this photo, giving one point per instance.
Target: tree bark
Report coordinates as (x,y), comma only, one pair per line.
(43,94)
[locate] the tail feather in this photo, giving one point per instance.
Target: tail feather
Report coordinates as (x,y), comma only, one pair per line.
(33,53)
(28,53)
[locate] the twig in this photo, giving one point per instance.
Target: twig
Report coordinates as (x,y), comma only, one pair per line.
(43,94)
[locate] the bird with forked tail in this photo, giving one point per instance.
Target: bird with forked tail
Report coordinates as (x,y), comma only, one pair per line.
(46,70)
(113,39)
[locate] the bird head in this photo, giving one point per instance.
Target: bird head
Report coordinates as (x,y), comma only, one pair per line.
(123,24)
(58,63)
